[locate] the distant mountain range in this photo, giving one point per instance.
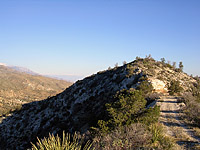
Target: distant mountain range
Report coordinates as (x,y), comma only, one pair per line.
(69,78)
(23,69)
(20,69)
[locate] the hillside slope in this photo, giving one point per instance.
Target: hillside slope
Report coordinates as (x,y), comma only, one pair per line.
(82,104)
(17,88)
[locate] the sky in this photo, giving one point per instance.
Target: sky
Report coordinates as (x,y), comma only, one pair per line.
(82,37)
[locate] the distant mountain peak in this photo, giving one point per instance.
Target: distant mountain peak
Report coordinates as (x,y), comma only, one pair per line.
(23,69)
(20,69)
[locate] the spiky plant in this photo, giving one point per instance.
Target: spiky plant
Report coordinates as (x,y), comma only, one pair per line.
(67,142)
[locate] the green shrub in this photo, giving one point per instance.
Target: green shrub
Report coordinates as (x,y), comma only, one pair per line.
(169,66)
(124,111)
(150,116)
(67,142)
(174,87)
(145,87)
(130,70)
(129,108)
(153,96)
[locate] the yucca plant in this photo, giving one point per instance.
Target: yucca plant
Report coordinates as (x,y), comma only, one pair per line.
(68,142)
(156,131)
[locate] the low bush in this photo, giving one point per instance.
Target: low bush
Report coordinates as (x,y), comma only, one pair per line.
(192,108)
(152,97)
(174,87)
(131,68)
(145,87)
(149,116)
(127,137)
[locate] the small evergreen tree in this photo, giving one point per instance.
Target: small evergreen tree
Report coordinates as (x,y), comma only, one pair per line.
(145,87)
(181,66)
(163,60)
(124,111)
(174,87)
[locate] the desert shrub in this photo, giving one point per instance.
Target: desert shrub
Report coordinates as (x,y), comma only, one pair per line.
(145,87)
(195,89)
(166,143)
(178,70)
(174,87)
(192,108)
(126,137)
(169,66)
(124,111)
(67,142)
(150,97)
(128,109)
(130,69)
(153,96)
(149,116)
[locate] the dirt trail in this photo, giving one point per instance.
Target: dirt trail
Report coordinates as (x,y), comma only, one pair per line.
(174,126)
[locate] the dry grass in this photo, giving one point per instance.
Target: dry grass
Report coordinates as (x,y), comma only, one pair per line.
(128,137)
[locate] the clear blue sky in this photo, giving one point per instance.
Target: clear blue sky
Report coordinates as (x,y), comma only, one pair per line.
(82,37)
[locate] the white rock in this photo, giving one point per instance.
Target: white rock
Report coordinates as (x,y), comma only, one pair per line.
(158,85)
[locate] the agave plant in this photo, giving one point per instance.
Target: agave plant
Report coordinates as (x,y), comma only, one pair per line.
(68,142)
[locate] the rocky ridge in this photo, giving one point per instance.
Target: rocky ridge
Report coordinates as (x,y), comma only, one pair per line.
(82,104)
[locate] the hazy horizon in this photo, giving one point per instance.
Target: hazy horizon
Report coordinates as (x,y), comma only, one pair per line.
(84,37)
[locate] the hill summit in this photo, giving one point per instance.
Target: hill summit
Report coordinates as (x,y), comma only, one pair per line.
(80,106)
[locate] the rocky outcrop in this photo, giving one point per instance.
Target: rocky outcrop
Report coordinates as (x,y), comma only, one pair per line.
(158,85)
